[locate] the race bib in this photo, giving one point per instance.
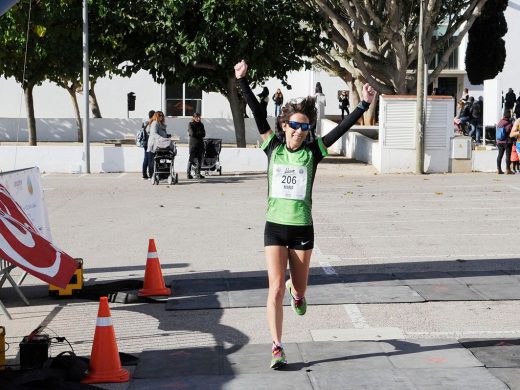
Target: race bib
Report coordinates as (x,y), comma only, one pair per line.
(289,182)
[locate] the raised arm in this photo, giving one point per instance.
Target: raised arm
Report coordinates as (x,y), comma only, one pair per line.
(256,108)
(349,121)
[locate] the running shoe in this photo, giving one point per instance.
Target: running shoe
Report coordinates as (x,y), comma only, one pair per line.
(299,305)
(278,359)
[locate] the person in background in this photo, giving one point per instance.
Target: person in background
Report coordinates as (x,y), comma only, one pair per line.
(158,134)
(263,98)
(321,102)
(504,145)
(196,133)
(517,108)
(515,134)
(278,101)
(514,159)
(510,100)
(344,103)
(147,172)
(476,119)
(465,96)
(458,123)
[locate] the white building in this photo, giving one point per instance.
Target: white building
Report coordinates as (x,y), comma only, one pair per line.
(177,100)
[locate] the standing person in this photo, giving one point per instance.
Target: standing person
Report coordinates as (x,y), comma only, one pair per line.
(515,135)
(263,97)
(344,104)
(476,119)
(504,142)
(517,108)
(278,101)
(197,133)
(292,164)
(157,126)
(510,99)
(147,172)
(321,102)
(514,159)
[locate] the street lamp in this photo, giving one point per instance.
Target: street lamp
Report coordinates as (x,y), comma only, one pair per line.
(86,89)
(419,115)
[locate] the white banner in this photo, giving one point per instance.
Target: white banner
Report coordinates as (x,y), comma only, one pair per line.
(25,187)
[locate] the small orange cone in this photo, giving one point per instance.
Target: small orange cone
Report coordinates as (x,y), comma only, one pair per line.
(153,279)
(105,365)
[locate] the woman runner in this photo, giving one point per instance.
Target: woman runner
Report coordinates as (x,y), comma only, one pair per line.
(289,234)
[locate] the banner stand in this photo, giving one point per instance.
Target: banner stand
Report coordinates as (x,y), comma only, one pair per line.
(5,271)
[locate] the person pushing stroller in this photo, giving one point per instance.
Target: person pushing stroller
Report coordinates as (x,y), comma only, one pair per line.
(196,133)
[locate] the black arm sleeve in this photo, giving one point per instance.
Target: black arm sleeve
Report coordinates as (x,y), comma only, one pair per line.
(258,111)
(345,125)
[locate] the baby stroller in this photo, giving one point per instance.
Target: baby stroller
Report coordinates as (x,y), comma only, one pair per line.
(163,163)
(211,159)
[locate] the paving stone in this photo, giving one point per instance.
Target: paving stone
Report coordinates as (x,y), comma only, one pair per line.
(335,356)
(189,286)
(356,334)
(250,298)
(329,294)
(255,359)
(215,300)
(415,278)
(365,280)
(247,283)
(385,294)
(446,292)
(355,378)
(428,354)
(276,380)
(510,376)
(180,362)
(474,378)
(498,292)
(495,353)
(318,280)
(483,277)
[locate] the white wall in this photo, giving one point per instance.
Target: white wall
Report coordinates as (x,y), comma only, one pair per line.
(64,130)
(68,159)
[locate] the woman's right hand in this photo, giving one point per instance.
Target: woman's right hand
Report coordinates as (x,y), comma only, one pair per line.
(241,70)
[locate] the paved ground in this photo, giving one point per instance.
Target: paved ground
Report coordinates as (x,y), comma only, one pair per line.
(433,230)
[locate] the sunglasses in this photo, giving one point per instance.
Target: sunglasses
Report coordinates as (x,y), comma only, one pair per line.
(299,125)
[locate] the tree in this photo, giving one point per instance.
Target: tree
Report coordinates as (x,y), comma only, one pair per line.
(486,51)
(376,42)
(20,41)
(199,41)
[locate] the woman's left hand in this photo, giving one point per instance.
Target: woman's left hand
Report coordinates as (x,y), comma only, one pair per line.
(368,93)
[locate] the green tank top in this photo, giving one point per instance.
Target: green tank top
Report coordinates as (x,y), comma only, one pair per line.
(290,179)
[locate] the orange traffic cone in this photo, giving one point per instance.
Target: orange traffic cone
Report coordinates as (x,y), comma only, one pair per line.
(153,279)
(105,365)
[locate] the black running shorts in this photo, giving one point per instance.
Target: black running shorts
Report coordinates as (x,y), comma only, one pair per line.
(292,237)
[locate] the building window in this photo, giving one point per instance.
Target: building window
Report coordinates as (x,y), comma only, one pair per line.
(453,60)
(182,100)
